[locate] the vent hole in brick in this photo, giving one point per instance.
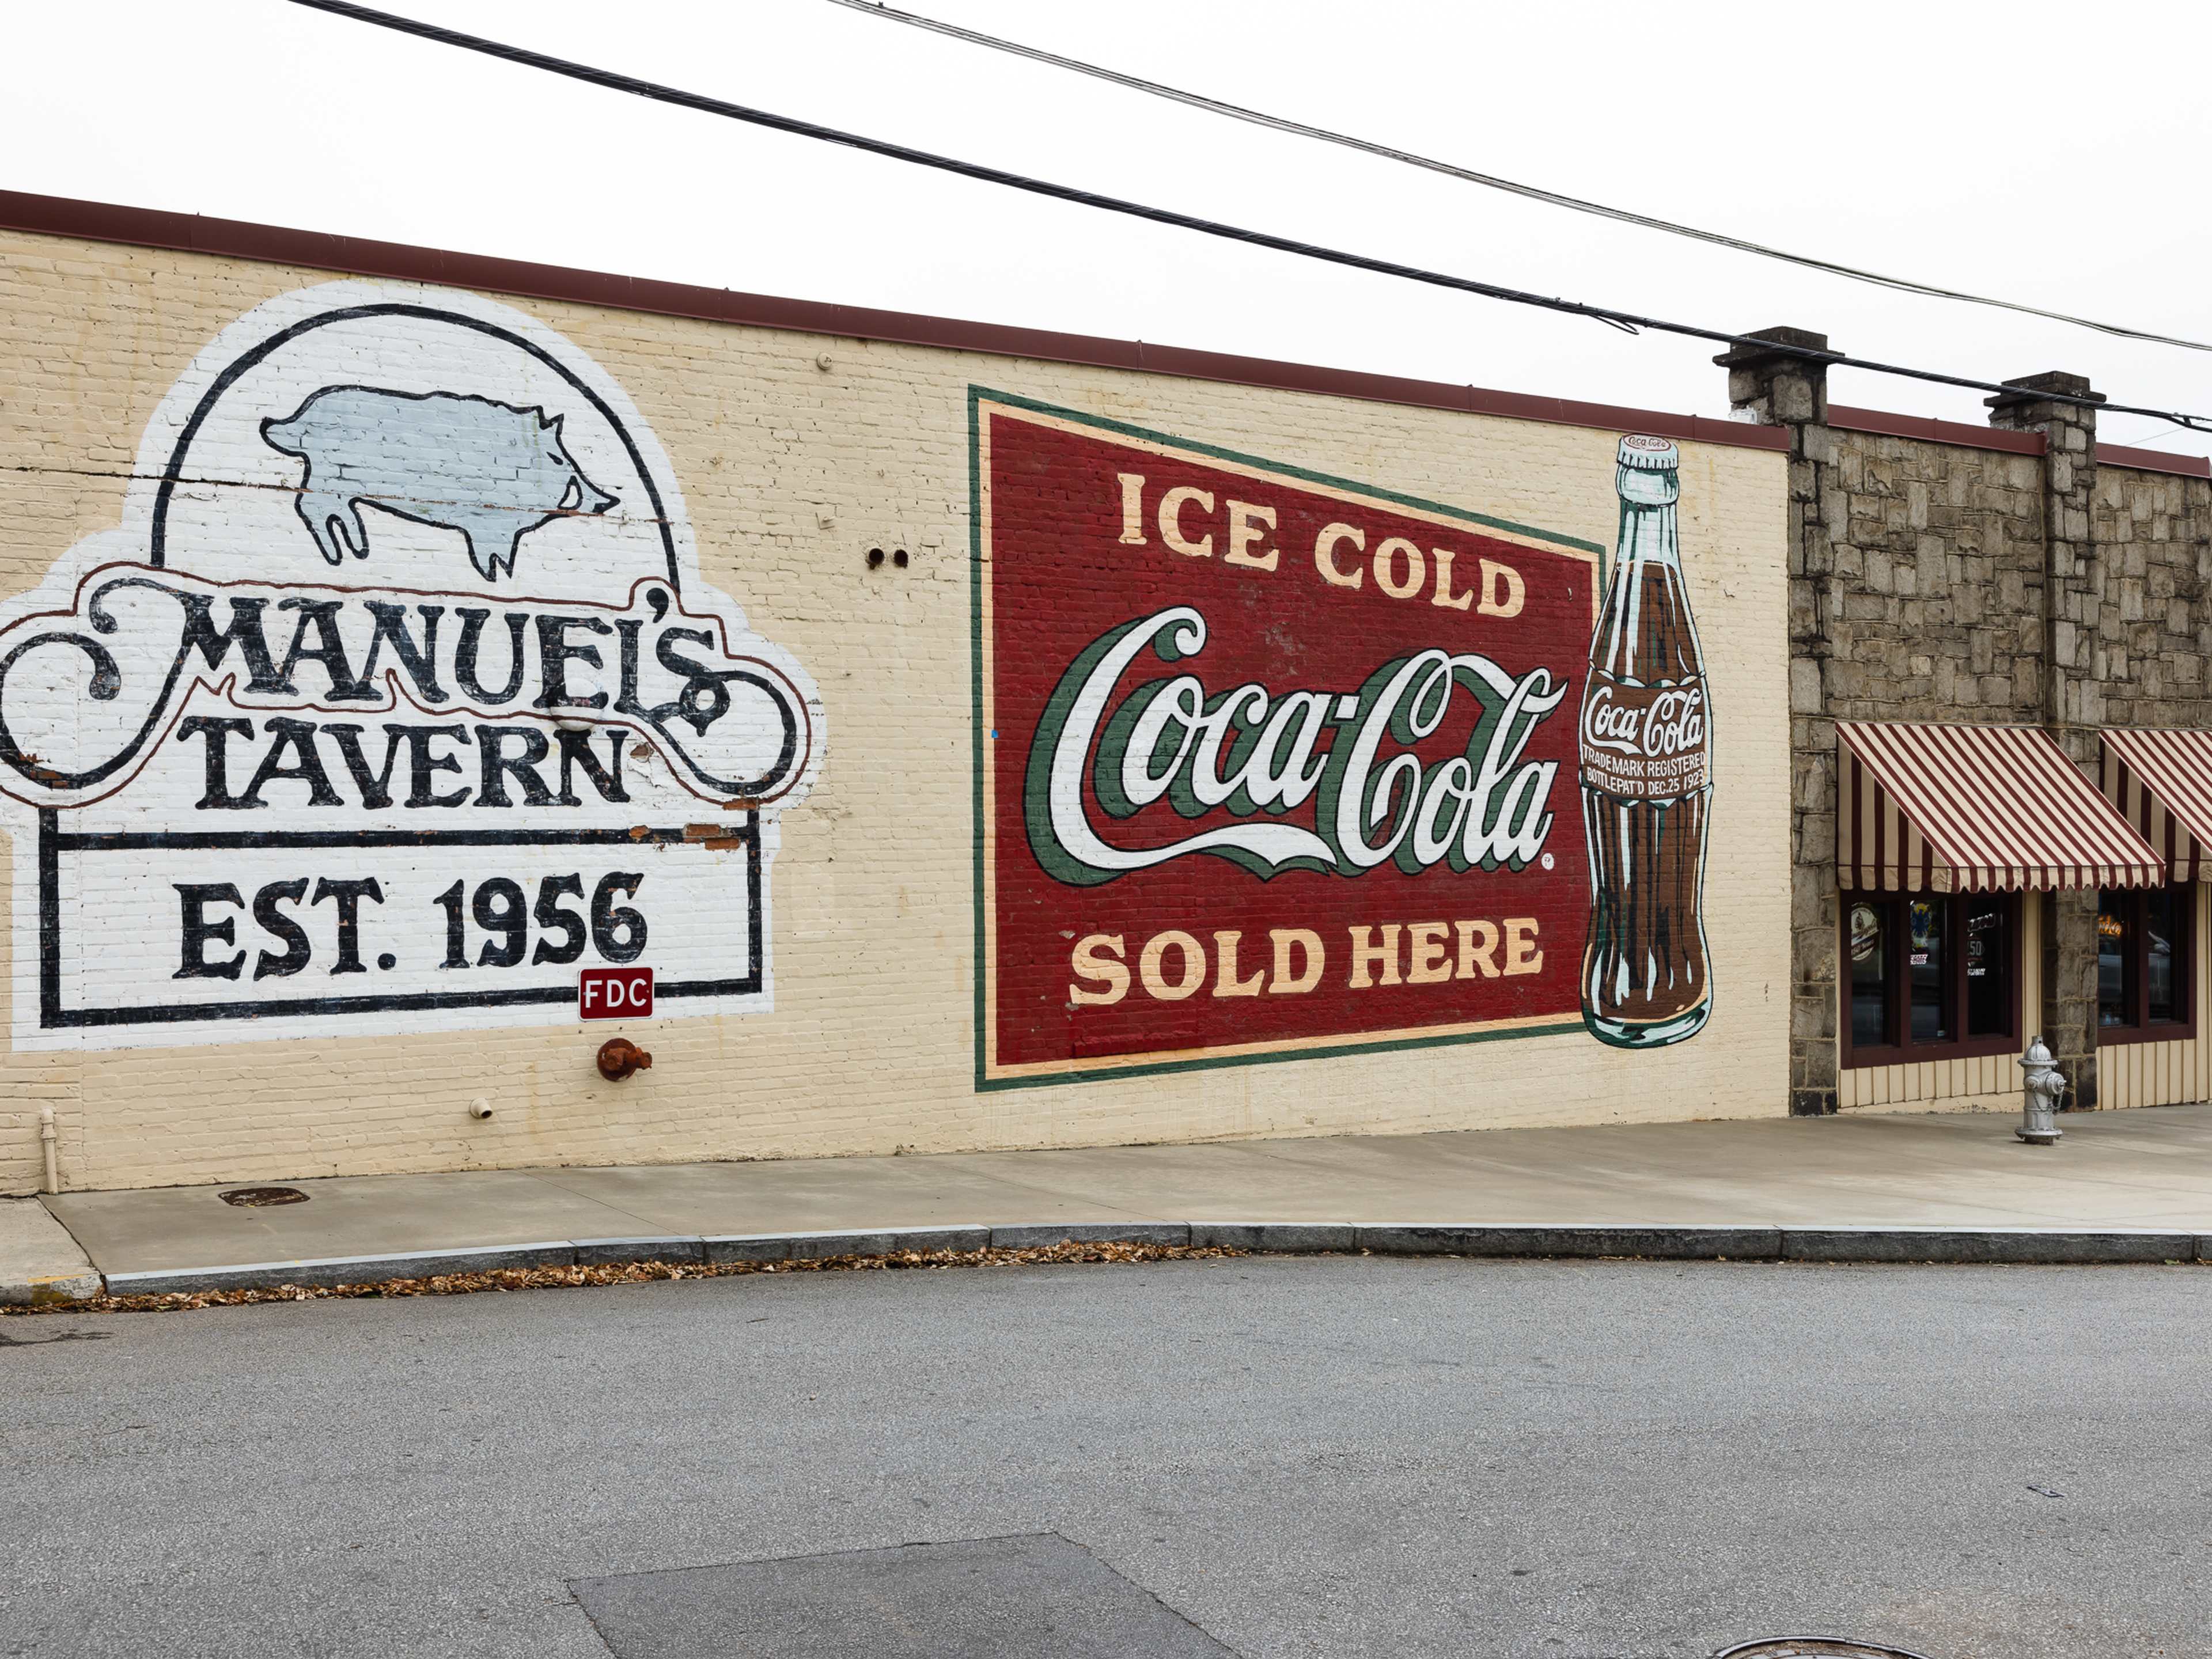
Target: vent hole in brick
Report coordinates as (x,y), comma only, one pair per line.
(875,557)
(899,558)
(255,1198)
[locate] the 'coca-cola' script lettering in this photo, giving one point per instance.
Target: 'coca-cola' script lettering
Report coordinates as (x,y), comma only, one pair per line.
(1258,756)
(1644,742)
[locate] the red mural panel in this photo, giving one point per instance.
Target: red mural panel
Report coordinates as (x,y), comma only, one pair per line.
(1269,763)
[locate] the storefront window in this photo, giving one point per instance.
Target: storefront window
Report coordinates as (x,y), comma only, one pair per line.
(1930,977)
(1930,1006)
(1989,966)
(2161,929)
(1868,946)
(2144,950)
(2115,955)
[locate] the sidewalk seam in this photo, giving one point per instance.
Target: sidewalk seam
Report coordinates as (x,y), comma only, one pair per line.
(545,1177)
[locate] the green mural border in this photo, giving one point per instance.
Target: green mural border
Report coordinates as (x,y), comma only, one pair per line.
(978,395)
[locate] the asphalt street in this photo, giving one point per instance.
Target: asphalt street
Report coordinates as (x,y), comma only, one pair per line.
(1324,1456)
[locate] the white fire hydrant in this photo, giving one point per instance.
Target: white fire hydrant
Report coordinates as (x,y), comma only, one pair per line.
(2042,1087)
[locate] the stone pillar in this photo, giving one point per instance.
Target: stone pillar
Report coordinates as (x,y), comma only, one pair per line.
(2072,698)
(1787,389)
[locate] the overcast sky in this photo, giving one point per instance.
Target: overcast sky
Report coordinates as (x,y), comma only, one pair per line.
(2051,154)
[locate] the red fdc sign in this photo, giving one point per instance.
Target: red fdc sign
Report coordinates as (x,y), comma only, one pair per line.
(614,993)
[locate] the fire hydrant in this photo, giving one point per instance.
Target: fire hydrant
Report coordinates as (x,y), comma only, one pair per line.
(2042,1087)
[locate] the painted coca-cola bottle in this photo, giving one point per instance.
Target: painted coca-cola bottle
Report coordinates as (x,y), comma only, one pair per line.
(1647,776)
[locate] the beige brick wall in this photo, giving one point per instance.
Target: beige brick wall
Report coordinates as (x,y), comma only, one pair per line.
(792,470)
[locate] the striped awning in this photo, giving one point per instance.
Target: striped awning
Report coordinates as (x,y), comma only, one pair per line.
(2161,781)
(1976,808)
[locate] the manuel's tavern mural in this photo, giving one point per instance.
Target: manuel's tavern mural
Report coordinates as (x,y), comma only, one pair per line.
(397,698)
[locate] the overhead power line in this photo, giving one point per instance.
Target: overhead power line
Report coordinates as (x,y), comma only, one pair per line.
(1626,319)
(1489,180)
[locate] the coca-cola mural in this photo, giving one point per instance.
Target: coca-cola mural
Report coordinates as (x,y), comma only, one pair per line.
(1273,763)
(1647,776)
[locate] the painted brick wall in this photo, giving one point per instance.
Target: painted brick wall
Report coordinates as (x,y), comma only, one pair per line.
(797,454)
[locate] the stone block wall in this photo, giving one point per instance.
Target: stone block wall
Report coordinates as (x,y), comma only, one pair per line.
(1937,572)
(2153,634)
(1935,595)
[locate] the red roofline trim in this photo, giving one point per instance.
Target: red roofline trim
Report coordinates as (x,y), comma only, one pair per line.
(96,222)
(2010,443)
(1929,430)
(2153,460)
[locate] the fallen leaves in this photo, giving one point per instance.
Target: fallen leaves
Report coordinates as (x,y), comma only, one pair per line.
(637,1273)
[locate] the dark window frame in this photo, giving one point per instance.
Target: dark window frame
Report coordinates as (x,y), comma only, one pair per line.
(1896,942)
(2140,1028)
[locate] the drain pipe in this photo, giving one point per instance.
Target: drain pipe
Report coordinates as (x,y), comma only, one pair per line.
(47,1139)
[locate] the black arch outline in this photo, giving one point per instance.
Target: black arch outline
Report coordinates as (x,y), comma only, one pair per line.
(171,474)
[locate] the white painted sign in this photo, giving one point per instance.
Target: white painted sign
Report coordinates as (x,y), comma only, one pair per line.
(396,700)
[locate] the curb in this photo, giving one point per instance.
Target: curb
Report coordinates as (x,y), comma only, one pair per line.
(41,1263)
(2022,1246)
(49,1289)
(2030,1247)
(345,1269)
(1668,1243)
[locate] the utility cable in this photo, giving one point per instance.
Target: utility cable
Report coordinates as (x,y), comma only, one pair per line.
(1623,320)
(1490,180)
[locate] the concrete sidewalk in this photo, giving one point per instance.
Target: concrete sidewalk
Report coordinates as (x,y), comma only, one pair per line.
(2121,1186)
(40,1262)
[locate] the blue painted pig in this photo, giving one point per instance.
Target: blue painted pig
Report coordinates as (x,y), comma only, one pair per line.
(491,471)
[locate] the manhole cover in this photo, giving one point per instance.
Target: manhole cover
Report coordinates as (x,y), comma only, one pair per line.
(254,1198)
(1813,1647)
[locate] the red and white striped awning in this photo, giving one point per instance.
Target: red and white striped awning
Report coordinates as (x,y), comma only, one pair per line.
(1974,809)
(2161,781)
